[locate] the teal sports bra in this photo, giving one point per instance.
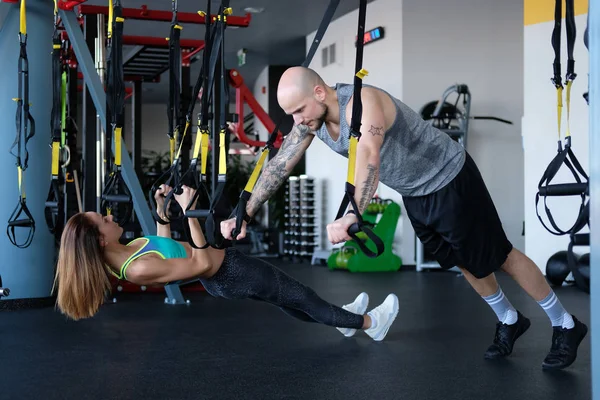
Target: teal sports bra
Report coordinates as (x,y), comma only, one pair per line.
(163,246)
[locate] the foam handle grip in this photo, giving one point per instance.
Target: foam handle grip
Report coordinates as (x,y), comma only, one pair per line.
(197,213)
(563,189)
(581,239)
(21,223)
(354,229)
(117,198)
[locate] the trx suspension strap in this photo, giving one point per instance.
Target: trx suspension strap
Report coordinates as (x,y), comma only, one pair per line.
(240,210)
(115,190)
(355,135)
(174,111)
(173,177)
(565,155)
(203,137)
(54,209)
(25,131)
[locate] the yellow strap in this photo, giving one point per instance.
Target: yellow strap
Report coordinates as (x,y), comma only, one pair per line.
(352,159)
(55,7)
(197,143)
(185,130)
(204,144)
(362,73)
(559,106)
(23,18)
(55,157)
(20,180)
(118,146)
(569,84)
(110,18)
(254,177)
(202,13)
(222,155)
(172,148)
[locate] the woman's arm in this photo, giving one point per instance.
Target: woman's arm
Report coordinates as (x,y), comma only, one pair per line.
(159,197)
(184,198)
(196,231)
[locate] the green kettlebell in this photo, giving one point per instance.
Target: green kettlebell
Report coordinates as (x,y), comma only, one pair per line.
(348,252)
(339,259)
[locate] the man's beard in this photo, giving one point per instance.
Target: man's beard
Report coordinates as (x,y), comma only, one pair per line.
(321,119)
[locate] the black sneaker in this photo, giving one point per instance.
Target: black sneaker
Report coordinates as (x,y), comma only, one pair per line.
(505,337)
(565,343)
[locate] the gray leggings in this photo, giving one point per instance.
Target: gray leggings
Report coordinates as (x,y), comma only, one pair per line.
(245,277)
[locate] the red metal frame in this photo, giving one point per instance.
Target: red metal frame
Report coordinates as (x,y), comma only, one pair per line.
(158,15)
(69,4)
(244,95)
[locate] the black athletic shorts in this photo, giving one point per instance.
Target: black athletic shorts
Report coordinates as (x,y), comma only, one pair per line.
(459,224)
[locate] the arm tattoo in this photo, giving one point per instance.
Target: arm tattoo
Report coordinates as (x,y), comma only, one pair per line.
(369,186)
(278,169)
(376,131)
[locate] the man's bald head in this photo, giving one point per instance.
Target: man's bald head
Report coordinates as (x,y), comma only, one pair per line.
(296,83)
(302,93)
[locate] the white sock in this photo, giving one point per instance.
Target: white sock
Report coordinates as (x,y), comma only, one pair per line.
(505,312)
(373,321)
(556,312)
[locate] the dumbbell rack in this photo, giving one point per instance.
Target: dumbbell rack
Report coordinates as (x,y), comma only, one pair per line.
(300,235)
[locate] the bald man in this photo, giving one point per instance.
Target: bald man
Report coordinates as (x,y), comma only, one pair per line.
(444,195)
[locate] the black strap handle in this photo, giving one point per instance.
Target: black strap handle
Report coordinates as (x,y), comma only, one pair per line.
(15,222)
(116,194)
(359,226)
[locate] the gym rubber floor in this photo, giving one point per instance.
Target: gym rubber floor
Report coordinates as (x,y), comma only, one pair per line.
(140,348)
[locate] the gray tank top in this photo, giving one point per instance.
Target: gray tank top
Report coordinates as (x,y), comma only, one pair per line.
(416,158)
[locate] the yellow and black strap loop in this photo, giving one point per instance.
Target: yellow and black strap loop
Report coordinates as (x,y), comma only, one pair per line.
(25,125)
(54,206)
(116,193)
(173,102)
(355,135)
(565,155)
(218,45)
(173,176)
(240,210)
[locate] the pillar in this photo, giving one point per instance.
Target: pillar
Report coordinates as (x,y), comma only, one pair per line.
(27,272)
(594,115)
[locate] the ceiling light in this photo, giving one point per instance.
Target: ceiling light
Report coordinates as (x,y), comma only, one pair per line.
(254,10)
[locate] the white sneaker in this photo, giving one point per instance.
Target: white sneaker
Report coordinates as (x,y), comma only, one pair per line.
(358,306)
(383,315)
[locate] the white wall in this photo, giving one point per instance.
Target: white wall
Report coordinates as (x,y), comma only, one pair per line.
(383,60)
(540,134)
(479,43)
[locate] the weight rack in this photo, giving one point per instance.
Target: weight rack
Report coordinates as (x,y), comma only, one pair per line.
(300,235)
